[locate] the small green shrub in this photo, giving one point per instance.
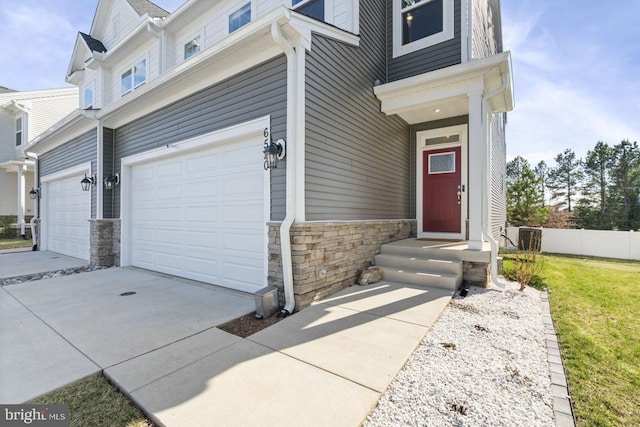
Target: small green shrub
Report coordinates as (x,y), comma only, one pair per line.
(5,226)
(509,272)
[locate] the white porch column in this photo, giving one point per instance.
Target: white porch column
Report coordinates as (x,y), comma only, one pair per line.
(476,159)
(99,172)
(21,200)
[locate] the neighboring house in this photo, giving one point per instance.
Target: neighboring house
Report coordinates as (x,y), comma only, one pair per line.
(391,113)
(24,116)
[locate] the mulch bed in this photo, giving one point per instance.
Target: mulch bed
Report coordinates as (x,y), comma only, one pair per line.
(248,325)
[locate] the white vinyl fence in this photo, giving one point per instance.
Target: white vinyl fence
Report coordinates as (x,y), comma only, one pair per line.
(598,243)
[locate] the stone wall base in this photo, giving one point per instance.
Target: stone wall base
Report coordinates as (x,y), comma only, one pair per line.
(476,273)
(104,242)
(328,256)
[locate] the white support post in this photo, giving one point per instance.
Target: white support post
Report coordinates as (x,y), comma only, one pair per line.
(21,199)
(476,180)
(99,172)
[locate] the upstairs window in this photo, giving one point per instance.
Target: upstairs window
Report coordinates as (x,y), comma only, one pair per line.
(133,77)
(311,8)
(418,24)
(88,97)
(191,48)
(240,18)
(19,131)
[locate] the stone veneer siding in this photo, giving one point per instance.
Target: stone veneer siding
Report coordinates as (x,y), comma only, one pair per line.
(328,256)
(104,242)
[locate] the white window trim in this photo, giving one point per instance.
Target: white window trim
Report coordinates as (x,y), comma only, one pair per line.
(252,12)
(189,40)
(132,68)
(91,86)
(328,9)
(442,172)
(23,121)
(447,32)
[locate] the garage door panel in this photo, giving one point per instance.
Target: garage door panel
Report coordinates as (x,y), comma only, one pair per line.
(204,215)
(68,210)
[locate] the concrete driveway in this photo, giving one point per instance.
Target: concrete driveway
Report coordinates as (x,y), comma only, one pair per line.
(54,332)
(21,263)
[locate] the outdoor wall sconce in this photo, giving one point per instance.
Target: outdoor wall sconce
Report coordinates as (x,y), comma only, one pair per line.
(274,151)
(111,181)
(34,193)
(87,182)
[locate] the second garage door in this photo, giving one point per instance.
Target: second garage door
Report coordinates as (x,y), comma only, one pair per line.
(201,215)
(66,216)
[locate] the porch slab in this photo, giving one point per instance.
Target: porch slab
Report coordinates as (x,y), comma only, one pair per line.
(15,264)
(458,250)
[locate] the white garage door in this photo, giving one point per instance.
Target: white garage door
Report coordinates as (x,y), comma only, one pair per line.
(67,214)
(201,216)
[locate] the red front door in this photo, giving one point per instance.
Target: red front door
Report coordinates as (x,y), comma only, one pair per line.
(441,209)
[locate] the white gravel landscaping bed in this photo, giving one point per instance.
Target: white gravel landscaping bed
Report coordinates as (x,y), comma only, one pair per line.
(484,363)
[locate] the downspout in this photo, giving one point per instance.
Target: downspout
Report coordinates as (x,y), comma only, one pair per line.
(290,217)
(36,205)
(487,182)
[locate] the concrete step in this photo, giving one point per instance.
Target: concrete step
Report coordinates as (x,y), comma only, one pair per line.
(418,252)
(450,281)
(419,264)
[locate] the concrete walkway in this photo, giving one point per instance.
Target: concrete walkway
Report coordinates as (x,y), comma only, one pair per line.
(21,263)
(324,366)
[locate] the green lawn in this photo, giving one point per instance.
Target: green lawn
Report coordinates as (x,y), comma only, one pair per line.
(95,402)
(18,242)
(595,304)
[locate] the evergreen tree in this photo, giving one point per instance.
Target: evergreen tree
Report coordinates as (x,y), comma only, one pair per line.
(524,198)
(542,171)
(592,210)
(564,179)
(625,191)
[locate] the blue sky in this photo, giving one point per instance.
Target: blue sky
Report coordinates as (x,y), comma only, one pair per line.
(576,65)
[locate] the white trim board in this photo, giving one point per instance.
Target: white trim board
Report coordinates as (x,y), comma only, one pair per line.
(251,129)
(462,143)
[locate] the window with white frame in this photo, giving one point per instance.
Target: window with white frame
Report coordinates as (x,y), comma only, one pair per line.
(418,24)
(19,130)
(311,8)
(88,96)
(133,77)
(192,47)
(240,18)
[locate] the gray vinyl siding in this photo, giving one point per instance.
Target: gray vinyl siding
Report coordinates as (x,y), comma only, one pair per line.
(428,59)
(107,168)
(357,158)
(436,124)
(77,151)
(254,93)
(498,175)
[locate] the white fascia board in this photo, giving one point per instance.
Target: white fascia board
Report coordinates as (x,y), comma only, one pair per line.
(475,76)
(73,125)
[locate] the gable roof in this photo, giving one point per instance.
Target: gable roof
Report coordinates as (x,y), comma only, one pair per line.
(94,45)
(143,7)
